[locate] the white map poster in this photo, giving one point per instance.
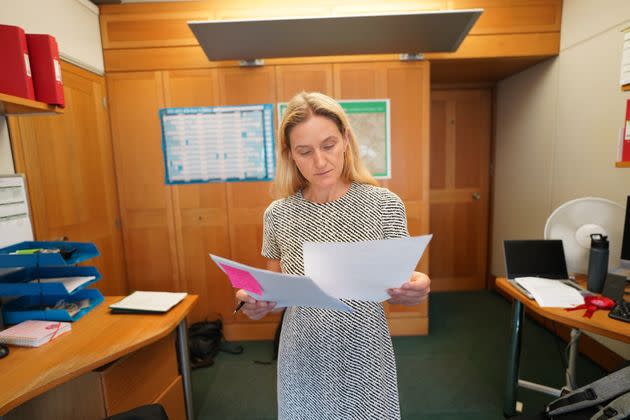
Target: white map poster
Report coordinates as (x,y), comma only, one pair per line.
(370,121)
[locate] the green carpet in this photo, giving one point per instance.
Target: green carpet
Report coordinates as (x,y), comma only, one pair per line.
(456,372)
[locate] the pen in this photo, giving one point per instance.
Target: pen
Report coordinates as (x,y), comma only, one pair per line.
(239,306)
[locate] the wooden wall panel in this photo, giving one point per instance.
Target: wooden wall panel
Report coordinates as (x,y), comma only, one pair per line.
(201,217)
(513,16)
(292,79)
(247,200)
(68,162)
(150,25)
(407,87)
(146,202)
(438,148)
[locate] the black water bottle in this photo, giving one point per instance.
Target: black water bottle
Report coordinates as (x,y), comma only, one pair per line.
(597,263)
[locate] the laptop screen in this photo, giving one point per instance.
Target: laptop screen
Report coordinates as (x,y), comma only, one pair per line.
(535,258)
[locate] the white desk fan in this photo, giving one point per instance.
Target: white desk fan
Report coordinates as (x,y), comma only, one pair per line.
(576,220)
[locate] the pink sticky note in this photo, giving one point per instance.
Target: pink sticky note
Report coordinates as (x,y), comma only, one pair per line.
(242,279)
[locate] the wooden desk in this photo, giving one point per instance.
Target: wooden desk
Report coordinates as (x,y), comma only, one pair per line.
(95,340)
(600,324)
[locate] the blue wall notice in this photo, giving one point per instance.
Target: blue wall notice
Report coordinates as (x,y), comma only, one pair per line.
(218,143)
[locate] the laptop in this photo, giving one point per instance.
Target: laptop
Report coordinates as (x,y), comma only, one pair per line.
(536,258)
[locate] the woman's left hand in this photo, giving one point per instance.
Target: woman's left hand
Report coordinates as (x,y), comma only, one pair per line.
(412,292)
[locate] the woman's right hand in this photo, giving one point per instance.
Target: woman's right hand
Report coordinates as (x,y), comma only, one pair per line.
(254,309)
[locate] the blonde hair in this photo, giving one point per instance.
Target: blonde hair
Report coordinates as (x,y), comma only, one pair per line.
(300,108)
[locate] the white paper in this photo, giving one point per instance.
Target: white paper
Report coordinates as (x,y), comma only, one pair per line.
(286,289)
(551,293)
(149,301)
(363,270)
(70,283)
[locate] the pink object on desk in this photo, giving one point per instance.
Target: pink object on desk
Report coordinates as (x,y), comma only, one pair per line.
(33,333)
(242,279)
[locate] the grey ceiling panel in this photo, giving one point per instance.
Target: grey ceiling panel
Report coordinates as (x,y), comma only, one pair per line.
(419,32)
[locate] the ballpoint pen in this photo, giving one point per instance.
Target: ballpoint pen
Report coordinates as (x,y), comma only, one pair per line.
(239,306)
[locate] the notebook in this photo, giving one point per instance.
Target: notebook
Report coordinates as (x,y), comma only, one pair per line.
(536,258)
(147,302)
(33,333)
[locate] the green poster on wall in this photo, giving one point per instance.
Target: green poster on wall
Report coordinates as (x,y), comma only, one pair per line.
(370,121)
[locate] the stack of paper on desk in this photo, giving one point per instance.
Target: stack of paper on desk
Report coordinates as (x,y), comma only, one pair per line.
(551,293)
(359,270)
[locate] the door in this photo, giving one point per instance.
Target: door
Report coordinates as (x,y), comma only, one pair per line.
(460,159)
(69,168)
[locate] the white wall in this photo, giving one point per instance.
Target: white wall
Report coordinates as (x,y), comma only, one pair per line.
(557,128)
(74,23)
(6,161)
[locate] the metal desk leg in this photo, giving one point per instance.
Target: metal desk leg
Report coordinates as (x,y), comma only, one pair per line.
(511,386)
(573,352)
(183,358)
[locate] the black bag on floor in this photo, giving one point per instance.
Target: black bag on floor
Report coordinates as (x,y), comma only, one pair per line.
(605,398)
(205,340)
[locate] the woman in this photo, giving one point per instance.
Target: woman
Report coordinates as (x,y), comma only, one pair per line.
(331,365)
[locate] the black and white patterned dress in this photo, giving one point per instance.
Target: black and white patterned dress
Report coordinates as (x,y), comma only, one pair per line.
(331,364)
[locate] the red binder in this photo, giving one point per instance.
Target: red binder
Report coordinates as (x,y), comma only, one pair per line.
(15,70)
(44,55)
(625,152)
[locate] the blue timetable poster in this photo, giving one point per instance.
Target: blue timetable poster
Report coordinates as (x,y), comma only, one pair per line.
(218,143)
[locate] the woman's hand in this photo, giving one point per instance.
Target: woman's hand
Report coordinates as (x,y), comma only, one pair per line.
(412,292)
(254,309)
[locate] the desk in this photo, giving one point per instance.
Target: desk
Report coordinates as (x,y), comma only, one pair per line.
(96,340)
(600,324)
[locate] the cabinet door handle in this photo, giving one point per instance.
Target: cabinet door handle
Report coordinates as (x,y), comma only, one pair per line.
(476,196)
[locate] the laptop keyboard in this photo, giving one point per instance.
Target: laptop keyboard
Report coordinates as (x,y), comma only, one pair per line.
(621,311)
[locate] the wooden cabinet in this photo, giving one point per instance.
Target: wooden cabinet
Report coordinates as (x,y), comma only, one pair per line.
(200,210)
(247,201)
(146,204)
(226,218)
(140,378)
(69,167)
(149,375)
(407,87)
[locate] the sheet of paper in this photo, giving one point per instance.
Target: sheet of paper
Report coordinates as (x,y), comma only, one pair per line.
(551,293)
(149,301)
(70,283)
(285,289)
(363,270)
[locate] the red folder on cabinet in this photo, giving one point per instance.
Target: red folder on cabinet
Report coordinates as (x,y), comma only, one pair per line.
(15,70)
(625,151)
(46,69)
